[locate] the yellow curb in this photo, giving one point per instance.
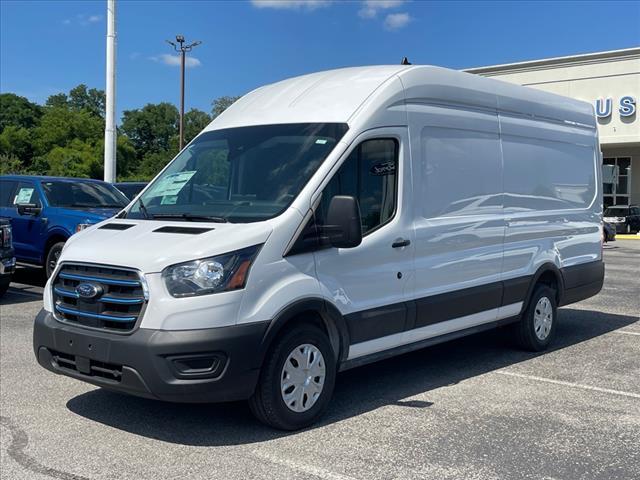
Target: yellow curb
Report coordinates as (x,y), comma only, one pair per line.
(627,237)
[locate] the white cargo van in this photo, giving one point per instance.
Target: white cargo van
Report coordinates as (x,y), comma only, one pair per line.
(328,221)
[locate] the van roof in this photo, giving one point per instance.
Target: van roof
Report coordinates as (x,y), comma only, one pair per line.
(336,96)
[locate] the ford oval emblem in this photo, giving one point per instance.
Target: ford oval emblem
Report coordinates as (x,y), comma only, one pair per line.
(88,290)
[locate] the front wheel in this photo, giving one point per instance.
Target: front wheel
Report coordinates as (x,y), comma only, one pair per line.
(537,327)
(296,381)
(52,258)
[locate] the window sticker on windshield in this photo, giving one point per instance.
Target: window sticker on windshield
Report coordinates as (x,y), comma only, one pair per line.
(24,196)
(172,184)
(321,141)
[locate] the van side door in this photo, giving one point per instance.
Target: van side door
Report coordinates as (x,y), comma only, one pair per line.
(458,219)
(370,283)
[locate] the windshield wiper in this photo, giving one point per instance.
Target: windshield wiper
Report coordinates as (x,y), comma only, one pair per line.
(143,209)
(191,217)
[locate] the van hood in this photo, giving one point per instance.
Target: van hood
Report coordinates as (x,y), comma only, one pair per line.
(151,245)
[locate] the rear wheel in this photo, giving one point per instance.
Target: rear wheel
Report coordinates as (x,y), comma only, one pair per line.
(52,258)
(296,381)
(537,326)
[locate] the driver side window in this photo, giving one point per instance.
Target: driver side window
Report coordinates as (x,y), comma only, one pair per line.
(369,175)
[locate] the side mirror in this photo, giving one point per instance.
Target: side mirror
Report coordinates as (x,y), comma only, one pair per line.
(343,222)
(28,209)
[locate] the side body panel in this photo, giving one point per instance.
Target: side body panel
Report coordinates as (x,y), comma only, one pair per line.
(553,196)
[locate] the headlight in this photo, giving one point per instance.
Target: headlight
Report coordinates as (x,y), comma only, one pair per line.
(210,275)
(82,226)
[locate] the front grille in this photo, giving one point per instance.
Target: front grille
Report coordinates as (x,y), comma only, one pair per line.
(116,307)
(94,368)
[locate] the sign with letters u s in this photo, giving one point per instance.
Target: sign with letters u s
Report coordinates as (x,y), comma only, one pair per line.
(626,107)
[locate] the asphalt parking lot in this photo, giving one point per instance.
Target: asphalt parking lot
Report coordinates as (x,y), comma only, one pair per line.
(470,409)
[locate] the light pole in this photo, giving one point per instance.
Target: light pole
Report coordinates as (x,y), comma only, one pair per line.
(183,49)
(110,100)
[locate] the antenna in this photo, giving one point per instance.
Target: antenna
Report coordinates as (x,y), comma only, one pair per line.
(405,61)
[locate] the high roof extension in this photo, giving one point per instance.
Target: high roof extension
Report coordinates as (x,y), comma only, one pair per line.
(373,96)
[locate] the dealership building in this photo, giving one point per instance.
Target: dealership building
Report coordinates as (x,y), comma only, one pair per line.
(611,82)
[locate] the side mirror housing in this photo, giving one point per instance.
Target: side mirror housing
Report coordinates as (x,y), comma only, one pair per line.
(28,209)
(343,222)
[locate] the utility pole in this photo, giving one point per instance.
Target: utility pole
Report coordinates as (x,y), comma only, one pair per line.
(183,49)
(110,101)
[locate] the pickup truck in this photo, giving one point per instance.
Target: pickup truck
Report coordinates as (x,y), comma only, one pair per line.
(45,211)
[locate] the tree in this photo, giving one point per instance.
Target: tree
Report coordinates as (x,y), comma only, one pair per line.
(77,159)
(10,164)
(151,128)
(220,104)
(59,126)
(16,141)
(59,100)
(18,112)
(90,99)
(194,122)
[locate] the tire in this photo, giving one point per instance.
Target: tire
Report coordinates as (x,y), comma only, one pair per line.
(536,329)
(4,284)
(52,258)
(628,229)
(268,402)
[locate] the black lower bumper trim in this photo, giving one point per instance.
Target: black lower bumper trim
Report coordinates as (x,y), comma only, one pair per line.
(142,363)
(582,281)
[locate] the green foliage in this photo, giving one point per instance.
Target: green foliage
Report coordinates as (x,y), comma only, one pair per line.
(76,159)
(10,164)
(194,122)
(151,128)
(16,141)
(220,104)
(59,126)
(18,112)
(66,136)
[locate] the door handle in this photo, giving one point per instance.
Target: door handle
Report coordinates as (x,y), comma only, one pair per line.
(401,242)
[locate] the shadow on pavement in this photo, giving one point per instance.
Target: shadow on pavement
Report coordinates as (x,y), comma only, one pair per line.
(358,391)
(29,276)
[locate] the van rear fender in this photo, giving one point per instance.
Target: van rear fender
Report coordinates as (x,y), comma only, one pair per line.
(548,274)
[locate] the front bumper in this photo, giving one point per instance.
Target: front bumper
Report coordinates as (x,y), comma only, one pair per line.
(151,363)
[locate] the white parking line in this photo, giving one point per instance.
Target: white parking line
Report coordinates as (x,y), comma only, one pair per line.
(569,384)
(627,333)
(301,467)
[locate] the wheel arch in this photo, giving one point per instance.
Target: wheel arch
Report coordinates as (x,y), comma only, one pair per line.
(311,310)
(547,274)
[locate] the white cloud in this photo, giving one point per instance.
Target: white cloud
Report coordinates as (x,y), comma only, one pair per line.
(291,4)
(396,21)
(83,20)
(370,7)
(174,60)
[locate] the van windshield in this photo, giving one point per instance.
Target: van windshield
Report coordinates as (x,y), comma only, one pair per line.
(240,175)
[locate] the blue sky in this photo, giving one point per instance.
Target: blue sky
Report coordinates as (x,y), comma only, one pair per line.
(51,46)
